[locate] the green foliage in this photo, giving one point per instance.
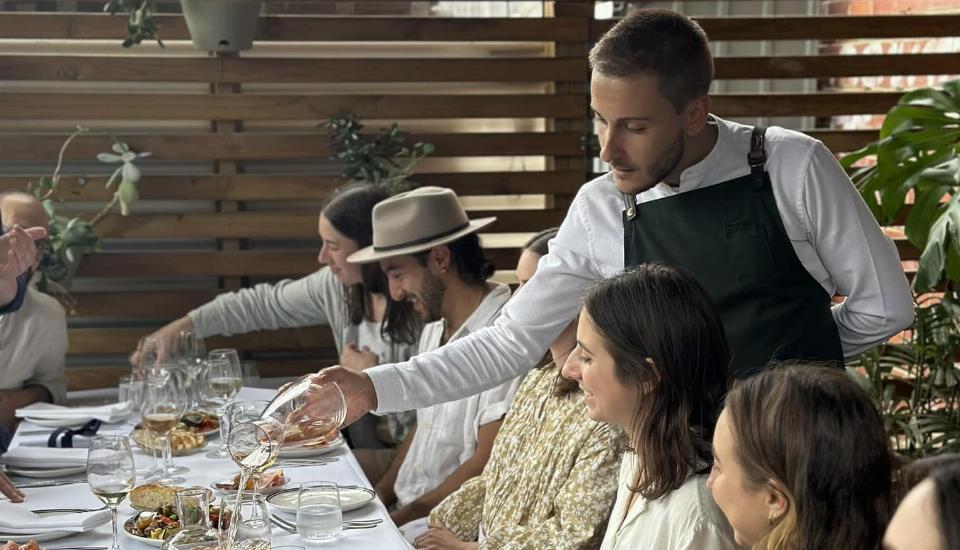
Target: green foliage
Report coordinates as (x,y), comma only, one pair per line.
(916,384)
(918,150)
(140,23)
(383,158)
(69,237)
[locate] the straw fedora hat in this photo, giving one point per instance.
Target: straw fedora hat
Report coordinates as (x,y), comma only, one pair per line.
(417,221)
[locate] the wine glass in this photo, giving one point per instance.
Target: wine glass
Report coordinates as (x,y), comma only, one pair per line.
(192,355)
(245,522)
(219,385)
(254,446)
(311,413)
(163,405)
(149,348)
(111,473)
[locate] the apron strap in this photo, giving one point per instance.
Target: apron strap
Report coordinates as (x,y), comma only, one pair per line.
(757,157)
(629,205)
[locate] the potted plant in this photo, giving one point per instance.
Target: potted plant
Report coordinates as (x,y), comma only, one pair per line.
(215,25)
(383,158)
(69,237)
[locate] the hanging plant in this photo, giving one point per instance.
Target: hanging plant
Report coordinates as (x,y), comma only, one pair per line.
(140,24)
(69,237)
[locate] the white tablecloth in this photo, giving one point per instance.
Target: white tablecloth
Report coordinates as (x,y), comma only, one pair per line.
(205,470)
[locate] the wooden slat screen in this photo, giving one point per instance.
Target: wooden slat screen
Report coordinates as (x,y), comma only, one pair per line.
(235,139)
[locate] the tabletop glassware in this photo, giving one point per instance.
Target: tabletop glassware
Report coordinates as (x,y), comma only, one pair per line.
(191,355)
(164,403)
(219,385)
(254,446)
(111,474)
(319,515)
(130,393)
(252,529)
(311,413)
(193,510)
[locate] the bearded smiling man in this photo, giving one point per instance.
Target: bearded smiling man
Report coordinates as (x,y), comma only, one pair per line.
(765,219)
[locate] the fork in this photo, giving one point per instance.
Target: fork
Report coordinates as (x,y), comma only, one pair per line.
(38,484)
(67,510)
(350,524)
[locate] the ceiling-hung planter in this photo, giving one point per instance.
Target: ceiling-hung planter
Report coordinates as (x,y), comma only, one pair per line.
(222,25)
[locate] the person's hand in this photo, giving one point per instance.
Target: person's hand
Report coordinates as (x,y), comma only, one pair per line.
(438,538)
(9,490)
(18,251)
(165,339)
(357,388)
(357,359)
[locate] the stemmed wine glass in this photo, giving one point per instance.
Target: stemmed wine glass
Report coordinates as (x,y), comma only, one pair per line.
(219,385)
(163,405)
(111,474)
(192,356)
(254,446)
(311,413)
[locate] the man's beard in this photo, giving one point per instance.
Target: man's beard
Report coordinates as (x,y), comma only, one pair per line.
(431,296)
(666,163)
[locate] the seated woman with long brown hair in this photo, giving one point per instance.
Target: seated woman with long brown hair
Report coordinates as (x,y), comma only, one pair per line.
(802,461)
(652,358)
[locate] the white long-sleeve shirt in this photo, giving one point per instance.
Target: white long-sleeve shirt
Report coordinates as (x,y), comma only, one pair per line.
(831,229)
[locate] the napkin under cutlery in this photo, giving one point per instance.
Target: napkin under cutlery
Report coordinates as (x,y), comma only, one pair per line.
(16,519)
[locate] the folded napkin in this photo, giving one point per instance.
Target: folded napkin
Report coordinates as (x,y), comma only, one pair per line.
(113,412)
(18,519)
(44,457)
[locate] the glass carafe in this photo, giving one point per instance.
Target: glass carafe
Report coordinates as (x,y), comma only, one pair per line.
(193,507)
(311,413)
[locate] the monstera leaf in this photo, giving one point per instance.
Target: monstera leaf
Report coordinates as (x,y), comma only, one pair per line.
(917,151)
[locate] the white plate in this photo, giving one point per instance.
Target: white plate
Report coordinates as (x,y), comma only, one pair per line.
(21,538)
(46,473)
(57,422)
(267,491)
(145,540)
(301,452)
(351,498)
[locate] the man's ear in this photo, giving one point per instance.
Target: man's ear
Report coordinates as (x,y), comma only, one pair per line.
(440,259)
(695,115)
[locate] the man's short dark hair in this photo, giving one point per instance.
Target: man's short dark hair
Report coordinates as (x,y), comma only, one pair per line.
(468,256)
(662,43)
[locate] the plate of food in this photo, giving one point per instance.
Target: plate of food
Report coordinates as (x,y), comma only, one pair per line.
(200,422)
(351,498)
(312,450)
(159,525)
(270,481)
(182,442)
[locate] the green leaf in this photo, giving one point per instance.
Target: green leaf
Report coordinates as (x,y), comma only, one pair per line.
(924,213)
(933,259)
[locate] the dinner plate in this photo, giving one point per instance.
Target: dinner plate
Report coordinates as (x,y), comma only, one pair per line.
(305,451)
(46,473)
(145,540)
(23,538)
(57,422)
(351,498)
(267,491)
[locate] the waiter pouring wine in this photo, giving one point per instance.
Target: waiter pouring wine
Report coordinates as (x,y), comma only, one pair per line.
(765,219)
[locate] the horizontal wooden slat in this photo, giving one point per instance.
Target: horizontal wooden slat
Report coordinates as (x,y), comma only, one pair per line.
(818,27)
(278,225)
(297,107)
(99,106)
(253,263)
(248,187)
(840,141)
(168,305)
(307,29)
(97,341)
(87,378)
(823,104)
(286,146)
(824,66)
(288,70)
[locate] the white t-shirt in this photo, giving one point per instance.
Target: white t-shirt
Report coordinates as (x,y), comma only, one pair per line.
(33,346)
(446,434)
(684,519)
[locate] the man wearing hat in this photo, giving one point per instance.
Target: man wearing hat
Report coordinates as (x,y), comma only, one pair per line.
(432,257)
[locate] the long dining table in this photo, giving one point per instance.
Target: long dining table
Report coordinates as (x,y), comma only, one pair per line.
(203,471)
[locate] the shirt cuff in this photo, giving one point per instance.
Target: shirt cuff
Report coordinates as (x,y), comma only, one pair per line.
(387,384)
(18,299)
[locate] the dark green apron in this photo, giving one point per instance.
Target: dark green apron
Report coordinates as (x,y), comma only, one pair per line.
(731,238)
